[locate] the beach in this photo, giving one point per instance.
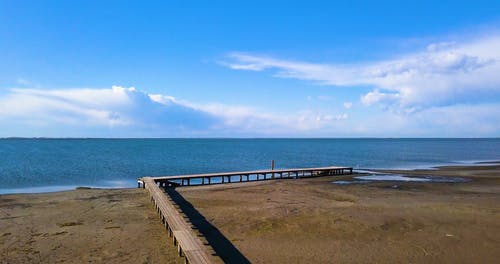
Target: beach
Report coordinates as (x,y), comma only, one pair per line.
(83,226)
(284,221)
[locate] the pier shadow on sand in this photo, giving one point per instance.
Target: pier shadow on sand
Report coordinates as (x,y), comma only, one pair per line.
(221,245)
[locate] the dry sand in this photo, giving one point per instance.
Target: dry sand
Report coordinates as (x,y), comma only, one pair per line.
(83,226)
(283,221)
(314,221)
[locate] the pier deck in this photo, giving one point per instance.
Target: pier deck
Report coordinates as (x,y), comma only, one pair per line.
(246,176)
(188,243)
(183,236)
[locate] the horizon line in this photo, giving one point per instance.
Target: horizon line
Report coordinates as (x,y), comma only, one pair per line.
(14,137)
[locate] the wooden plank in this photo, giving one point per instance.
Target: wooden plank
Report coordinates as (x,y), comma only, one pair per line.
(187,241)
(199,255)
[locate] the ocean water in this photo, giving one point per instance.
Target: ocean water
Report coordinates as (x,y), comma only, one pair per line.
(39,165)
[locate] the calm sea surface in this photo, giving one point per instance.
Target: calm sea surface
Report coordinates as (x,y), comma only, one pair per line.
(37,165)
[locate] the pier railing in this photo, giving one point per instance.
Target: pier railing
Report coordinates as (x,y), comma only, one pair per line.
(246,176)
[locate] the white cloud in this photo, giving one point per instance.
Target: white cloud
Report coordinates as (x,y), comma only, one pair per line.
(348,105)
(445,73)
(117,108)
(459,120)
(64,106)
(440,46)
(163,99)
(378,97)
(129,112)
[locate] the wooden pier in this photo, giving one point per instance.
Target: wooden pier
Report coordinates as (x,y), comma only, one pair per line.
(245,176)
(183,236)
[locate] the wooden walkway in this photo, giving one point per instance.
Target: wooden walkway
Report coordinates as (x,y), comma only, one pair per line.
(246,176)
(187,241)
(183,236)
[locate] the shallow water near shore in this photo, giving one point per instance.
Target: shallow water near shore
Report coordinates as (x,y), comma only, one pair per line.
(40,165)
(401,178)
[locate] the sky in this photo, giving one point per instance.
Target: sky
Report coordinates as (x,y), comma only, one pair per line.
(249,68)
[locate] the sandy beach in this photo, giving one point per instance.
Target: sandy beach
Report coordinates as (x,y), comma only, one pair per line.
(83,226)
(283,221)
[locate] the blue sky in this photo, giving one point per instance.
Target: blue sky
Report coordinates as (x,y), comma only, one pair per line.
(249,69)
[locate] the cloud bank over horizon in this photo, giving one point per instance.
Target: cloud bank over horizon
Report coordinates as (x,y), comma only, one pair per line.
(79,112)
(128,112)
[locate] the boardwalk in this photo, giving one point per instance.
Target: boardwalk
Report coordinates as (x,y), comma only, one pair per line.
(183,236)
(246,176)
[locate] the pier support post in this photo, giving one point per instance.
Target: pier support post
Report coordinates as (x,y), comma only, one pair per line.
(272,168)
(179,249)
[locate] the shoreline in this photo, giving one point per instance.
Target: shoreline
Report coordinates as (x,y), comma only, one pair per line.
(57,189)
(404,170)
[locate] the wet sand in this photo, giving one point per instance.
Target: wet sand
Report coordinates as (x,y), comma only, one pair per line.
(83,226)
(283,221)
(314,221)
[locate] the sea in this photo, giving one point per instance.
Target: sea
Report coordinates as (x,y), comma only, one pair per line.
(45,165)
